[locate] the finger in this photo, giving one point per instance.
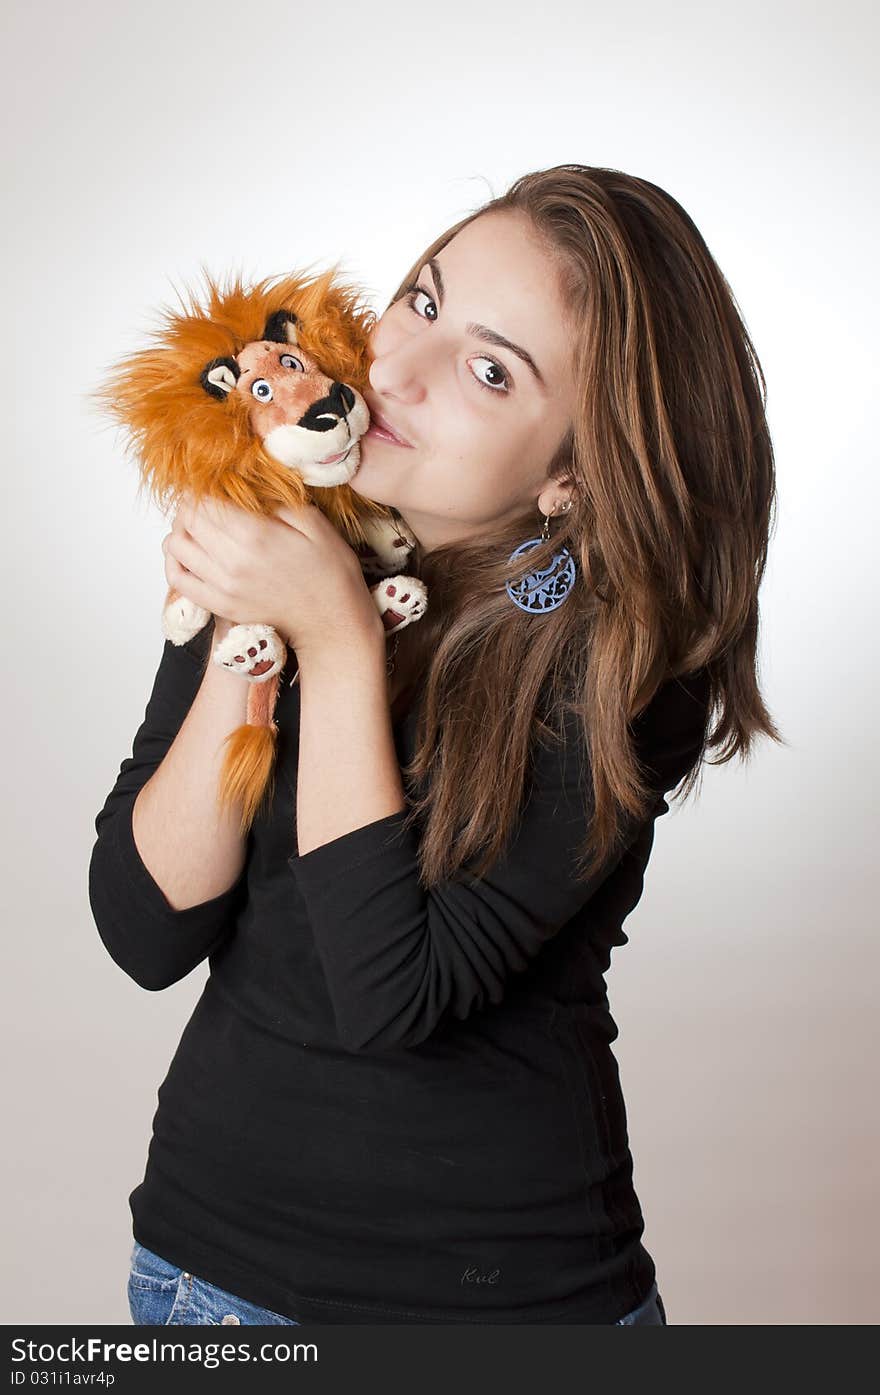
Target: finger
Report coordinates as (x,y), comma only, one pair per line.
(192,518)
(218,524)
(184,583)
(186,504)
(193,514)
(304,518)
(195,527)
(221,514)
(188,554)
(182,524)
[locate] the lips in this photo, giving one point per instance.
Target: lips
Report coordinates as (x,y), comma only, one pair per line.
(381,427)
(332,459)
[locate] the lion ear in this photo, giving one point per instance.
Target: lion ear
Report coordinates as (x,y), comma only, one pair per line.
(219,377)
(281,328)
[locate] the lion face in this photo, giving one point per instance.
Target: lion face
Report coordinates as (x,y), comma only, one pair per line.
(305,420)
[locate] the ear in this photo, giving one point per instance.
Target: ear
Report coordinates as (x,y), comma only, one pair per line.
(219,377)
(281,328)
(566,490)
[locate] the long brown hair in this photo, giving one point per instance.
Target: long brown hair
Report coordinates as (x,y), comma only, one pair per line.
(672,475)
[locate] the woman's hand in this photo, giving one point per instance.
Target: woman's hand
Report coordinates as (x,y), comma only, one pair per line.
(291,570)
(174,571)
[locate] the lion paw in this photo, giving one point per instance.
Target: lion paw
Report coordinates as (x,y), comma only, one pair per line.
(253,650)
(181,619)
(387,544)
(400,599)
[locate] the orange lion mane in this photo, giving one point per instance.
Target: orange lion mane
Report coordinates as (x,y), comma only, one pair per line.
(184,444)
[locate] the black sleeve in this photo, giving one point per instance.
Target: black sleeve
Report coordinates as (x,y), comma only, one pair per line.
(153,943)
(398,958)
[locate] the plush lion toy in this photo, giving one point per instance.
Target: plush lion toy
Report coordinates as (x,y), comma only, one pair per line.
(255,400)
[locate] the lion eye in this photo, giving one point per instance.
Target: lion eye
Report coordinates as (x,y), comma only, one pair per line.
(289,361)
(262,390)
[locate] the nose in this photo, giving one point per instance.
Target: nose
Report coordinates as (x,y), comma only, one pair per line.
(405,365)
(327,412)
(399,373)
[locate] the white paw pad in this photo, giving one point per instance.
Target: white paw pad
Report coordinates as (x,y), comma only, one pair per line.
(253,650)
(387,545)
(400,599)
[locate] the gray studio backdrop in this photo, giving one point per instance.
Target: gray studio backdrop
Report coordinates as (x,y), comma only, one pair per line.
(141,141)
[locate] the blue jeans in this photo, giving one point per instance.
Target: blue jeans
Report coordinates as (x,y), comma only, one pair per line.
(650,1313)
(160,1294)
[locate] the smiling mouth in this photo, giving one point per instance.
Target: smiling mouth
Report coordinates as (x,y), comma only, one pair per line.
(382,433)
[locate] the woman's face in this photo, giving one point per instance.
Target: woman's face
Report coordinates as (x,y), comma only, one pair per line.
(483,419)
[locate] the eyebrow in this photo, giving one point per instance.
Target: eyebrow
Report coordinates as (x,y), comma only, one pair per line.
(489,336)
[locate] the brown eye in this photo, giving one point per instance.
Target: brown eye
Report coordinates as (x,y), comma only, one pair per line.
(411,297)
(500,385)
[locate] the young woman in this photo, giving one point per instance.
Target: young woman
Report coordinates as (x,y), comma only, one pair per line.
(396,1099)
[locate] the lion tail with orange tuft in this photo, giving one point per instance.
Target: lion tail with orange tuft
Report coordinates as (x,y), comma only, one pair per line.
(248,773)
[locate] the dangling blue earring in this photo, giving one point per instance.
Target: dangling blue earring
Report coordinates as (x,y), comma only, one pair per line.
(544,590)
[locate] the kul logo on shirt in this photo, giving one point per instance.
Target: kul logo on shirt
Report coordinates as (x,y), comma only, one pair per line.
(473,1275)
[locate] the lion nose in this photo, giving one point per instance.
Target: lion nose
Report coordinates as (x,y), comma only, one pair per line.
(325,414)
(342,393)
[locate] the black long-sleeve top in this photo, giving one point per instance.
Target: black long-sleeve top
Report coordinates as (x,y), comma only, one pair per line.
(393,1104)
